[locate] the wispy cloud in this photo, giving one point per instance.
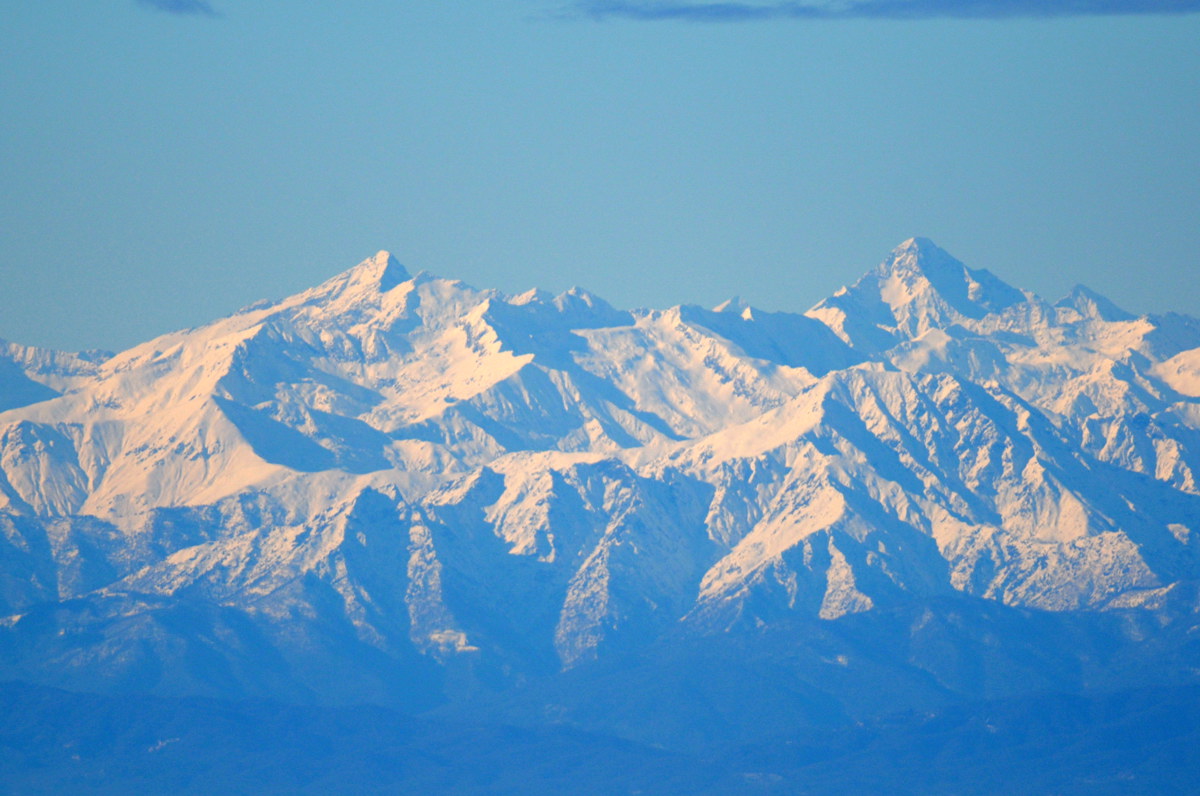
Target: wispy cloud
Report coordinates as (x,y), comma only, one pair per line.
(735,11)
(199,7)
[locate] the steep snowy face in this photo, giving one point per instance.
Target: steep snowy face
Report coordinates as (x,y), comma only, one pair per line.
(1089,366)
(901,484)
(378,370)
(404,466)
(372,370)
(918,288)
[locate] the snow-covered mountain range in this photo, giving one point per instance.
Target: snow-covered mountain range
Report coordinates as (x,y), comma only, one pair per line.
(401,488)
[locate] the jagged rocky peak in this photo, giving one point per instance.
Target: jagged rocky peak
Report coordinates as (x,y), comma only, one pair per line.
(574,308)
(919,287)
(917,253)
(735,304)
(535,295)
(1091,304)
(590,309)
(383,270)
(377,274)
(580,296)
(920,261)
(641,468)
(921,265)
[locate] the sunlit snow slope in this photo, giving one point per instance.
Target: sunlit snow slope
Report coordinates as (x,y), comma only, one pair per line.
(392,474)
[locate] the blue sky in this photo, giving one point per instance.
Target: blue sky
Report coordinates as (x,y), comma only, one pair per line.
(164,163)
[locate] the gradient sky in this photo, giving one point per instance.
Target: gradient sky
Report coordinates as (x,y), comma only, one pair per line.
(166,162)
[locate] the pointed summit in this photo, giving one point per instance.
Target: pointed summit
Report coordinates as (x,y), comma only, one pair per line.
(918,287)
(916,245)
(373,276)
(1091,304)
(923,266)
(589,310)
(532,296)
(734,304)
(921,255)
(383,270)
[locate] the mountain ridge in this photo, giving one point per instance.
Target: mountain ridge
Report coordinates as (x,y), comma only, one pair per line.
(401,476)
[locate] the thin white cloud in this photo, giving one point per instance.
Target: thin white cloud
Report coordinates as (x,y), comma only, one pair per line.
(741,10)
(193,7)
